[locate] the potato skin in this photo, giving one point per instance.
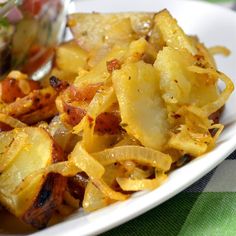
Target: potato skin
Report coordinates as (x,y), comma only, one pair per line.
(73,103)
(10,89)
(4,127)
(108,123)
(43,113)
(77,185)
(36,106)
(49,197)
(73,115)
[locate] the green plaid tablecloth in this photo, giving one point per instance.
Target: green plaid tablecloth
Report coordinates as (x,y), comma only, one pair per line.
(207,208)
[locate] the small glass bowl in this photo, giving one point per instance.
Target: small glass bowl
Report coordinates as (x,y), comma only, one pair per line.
(29,32)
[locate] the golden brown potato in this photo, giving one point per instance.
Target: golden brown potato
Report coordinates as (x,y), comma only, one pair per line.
(143,113)
(48,200)
(43,99)
(38,115)
(35,202)
(70,57)
(11,89)
(50,196)
(96,30)
(172,33)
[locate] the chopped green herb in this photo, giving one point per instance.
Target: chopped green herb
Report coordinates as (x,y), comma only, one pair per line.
(4,22)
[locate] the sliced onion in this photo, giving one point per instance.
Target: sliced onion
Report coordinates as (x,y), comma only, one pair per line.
(109,192)
(14,123)
(219,128)
(139,154)
(100,103)
(62,135)
(94,199)
(140,184)
(86,162)
(65,168)
(138,173)
(212,107)
(219,50)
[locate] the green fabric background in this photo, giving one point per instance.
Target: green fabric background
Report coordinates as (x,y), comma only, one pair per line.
(166,219)
(187,214)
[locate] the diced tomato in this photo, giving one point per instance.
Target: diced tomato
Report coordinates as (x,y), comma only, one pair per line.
(37,59)
(33,6)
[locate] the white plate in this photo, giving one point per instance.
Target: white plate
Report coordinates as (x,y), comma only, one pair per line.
(214,26)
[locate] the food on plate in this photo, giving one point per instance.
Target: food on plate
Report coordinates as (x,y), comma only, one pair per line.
(24,150)
(128,100)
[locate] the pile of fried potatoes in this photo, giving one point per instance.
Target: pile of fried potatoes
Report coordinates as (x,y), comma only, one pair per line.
(128,100)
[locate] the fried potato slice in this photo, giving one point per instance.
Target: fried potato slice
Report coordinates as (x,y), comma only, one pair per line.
(94,30)
(172,34)
(35,150)
(142,110)
(186,144)
(40,114)
(70,57)
(179,85)
(175,79)
(11,89)
(31,104)
(99,73)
